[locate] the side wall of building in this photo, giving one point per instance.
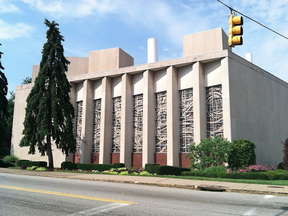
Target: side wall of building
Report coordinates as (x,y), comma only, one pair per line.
(21,95)
(258,109)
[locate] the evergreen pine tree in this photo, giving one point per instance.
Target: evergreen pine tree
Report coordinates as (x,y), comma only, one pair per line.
(3,100)
(49,113)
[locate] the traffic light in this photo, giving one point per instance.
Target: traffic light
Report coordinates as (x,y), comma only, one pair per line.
(235,30)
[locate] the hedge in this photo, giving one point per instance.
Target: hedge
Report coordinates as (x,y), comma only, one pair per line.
(152,168)
(99,167)
(170,170)
(22,163)
(4,164)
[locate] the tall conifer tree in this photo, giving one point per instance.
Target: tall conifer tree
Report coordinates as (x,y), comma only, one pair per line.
(49,113)
(3,101)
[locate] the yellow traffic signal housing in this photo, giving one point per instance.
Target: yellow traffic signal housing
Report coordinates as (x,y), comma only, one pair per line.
(235,30)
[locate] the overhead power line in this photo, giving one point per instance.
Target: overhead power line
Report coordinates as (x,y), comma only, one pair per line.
(232,9)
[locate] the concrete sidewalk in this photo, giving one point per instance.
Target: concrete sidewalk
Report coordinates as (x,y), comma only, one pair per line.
(161,182)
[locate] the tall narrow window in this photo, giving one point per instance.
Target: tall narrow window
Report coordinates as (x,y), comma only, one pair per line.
(161,122)
(78,126)
(186,119)
(137,123)
(116,121)
(214,111)
(96,126)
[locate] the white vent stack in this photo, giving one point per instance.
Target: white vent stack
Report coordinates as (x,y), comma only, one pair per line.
(152,50)
(249,57)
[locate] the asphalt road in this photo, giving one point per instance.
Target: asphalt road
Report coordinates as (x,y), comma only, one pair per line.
(32,195)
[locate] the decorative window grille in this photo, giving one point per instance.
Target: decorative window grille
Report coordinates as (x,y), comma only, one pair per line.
(78,127)
(214,111)
(96,126)
(161,122)
(137,123)
(116,120)
(186,119)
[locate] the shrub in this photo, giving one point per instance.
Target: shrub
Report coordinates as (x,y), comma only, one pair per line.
(210,151)
(222,174)
(277,174)
(285,157)
(98,167)
(280,166)
(170,170)
(118,165)
(151,168)
(192,173)
(27,163)
(21,163)
(252,168)
(11,160)
(4,164)
(242,154)
(214,169)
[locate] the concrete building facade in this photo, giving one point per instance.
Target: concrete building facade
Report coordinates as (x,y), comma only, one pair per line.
(151,113)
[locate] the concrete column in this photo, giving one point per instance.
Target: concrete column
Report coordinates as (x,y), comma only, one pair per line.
(172,117)
(227,125)
(106,122)
(126,120)
(72,95)
(87,122)
(199,103)
(148,118)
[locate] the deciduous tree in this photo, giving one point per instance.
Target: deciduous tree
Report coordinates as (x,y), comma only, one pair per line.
(49,113)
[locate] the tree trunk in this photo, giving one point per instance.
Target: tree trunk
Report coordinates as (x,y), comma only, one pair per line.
(49,153)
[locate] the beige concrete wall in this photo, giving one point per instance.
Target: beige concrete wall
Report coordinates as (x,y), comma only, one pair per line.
(126,121)
(258,109)
(77,66)
(185,77)
(173,140)
(117,86)
(79,91)
(160,80)
(21,94)
(148,118)
(205,42)
(137,86)
(108,59)
(87,122)
(35,72)
(97,89)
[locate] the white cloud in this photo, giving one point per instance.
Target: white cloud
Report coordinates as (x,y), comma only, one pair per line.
(7,7)
(12,31)
(165,49)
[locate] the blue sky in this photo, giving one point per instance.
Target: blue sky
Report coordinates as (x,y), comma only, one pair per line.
(89,25)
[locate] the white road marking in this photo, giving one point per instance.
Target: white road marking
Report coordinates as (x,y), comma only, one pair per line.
(268,196)
(95,211)
(250,212)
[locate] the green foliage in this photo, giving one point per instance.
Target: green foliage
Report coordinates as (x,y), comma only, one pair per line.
(41,169)
(99,167)
(118,165)
(170,170)
(242,154)
(4,152)
(222,174)
(214,169)
(210,151)
(27,80)
(11,159)
(26,163)
(280,166)
(285,157)
(10,111)
(4,164)
(32,168)
(3,101)
(151,168)
(49,113)
(21,163)
(248,175)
